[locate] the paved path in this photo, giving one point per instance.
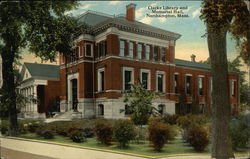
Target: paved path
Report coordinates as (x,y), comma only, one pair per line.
(21,149)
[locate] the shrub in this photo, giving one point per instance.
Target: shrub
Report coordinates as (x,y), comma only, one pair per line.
(4,127)
(77,136)
(45,132)
(197,136)
(170,119)
(88,130)
(124,131)
(159,133)
(32,126)
(240,134)
(191,120)
(103,131)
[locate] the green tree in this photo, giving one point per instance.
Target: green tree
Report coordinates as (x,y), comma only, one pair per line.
(40,26)
(219,16)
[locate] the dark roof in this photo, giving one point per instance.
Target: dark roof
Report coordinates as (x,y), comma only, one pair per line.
(197,65)
(100,22)
(43,71)
(92,18)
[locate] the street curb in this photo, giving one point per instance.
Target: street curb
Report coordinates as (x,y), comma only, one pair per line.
(111,151)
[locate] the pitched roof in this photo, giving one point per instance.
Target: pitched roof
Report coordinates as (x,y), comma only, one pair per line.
(197,65)
(43,71)
(100,22)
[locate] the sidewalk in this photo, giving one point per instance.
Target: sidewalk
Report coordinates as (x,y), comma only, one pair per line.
(15,149)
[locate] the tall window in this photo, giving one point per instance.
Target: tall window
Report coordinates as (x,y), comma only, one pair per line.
(101,79)
(74,56)
(88,50)
(128,78)
(145,78)
(176,83)
(233,85)
(188,84)
(163,54)
(122,47)
(131,49)
(147,52)
(159,86)
(200,86)
(100,109)
(102,48)
(156,53)
(139,51)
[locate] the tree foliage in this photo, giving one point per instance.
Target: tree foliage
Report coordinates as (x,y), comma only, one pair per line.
(40,26)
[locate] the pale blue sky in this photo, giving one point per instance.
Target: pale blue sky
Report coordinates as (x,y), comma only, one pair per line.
(191,28)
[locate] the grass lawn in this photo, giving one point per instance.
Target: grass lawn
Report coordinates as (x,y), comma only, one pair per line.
(176,146)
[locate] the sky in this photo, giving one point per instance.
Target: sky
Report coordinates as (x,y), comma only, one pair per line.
(191,28)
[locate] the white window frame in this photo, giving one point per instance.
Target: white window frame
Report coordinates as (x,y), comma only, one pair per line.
(146,52)
(85,50)
(149,75)
(99,85)
(123,48)
(123,75)
(190,75)
(139,51)
(163,80)
(202,77)
(129,49)
(161,53)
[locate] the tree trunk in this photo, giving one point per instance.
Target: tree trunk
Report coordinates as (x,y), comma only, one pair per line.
(9,89)
(221,143)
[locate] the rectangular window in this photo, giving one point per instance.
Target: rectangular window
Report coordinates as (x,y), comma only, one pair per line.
(176,83)
(163,54)
(139,51)
(160,77)
(88,50)
(156,53)
(147,52)
(188,85)
(200,86)
(131,49)
(102,48)
(144,79)
(127,79)
(101,79)
(233,84)
(122,47)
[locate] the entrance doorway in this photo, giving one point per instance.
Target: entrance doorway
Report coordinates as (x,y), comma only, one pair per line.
(74,94)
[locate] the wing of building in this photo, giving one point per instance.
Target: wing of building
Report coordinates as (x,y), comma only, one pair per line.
(118,51)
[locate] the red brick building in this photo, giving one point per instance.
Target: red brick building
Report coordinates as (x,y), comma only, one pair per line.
(117,51)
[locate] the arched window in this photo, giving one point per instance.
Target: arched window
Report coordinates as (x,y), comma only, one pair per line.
(100,109)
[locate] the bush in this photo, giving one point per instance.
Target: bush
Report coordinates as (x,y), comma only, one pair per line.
(197,136)
(77,136)
(45,132)
(170,119)
(103,131)
(124,131)
(159,133)
(88,130)
(32,126)
(191,120)
(240,134)
(4,127)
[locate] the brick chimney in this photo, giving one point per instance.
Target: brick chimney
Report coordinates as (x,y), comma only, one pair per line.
(193,58)
(130,14)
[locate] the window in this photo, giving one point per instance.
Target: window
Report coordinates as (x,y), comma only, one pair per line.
(100,109)
(101,78)
(188,84)
(145,78)
(159,82)
(139,51)
(62,58)
(233,84)
(161,108)
(128,78)
(163,54)
(122,47)
(200,86)
(211,85)
(102,48)
(88,50)
(131,49)
(74,56)
(201,108)
(156,53)
(176,83)
(232,109)
(147,52)
(177,108)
